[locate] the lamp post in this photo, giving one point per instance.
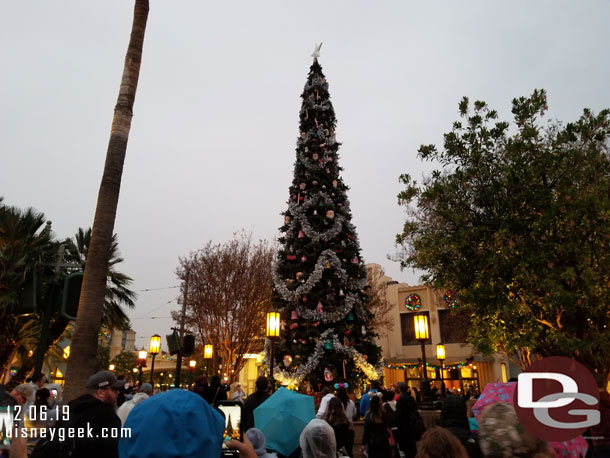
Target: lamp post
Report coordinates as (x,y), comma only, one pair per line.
(111,368)
(440,355)
(422,334)
(273,332)
(154,349)
(208,353)
(141,363)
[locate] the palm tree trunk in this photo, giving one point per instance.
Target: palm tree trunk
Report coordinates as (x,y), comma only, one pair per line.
(84,343)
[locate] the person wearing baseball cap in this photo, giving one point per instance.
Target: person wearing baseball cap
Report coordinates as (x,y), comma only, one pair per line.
(95,413)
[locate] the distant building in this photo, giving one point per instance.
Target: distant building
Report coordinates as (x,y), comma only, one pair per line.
(402,354)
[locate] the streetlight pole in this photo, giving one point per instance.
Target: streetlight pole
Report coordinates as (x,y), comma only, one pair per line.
(181,341)
(208,353)
(422,334)
(440,355)
(273,332)
(155,348)
(141,364)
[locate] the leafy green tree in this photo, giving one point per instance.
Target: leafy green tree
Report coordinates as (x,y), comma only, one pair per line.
(124,363)
(516,223)
(102,358)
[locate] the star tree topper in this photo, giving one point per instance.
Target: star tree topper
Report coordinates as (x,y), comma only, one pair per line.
(316,51)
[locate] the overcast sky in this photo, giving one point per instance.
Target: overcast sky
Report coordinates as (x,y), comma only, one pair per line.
(212,143)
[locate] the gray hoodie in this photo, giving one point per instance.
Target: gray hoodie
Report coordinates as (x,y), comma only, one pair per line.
(257,438)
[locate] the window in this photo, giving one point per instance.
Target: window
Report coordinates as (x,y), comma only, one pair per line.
(454,325)
(407,328)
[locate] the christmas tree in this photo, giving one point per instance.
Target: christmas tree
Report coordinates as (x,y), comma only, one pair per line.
(319,276)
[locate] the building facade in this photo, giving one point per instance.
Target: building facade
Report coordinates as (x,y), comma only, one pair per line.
(462,367)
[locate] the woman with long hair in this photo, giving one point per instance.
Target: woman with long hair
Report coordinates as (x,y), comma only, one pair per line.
(336,418)
(376,437)
(348,404)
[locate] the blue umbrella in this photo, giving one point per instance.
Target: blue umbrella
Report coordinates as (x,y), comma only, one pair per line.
(282,418)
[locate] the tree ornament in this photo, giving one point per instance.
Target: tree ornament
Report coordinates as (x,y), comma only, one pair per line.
(346,341)
(303,186)
(330,214)
(315,212)
(319,308)
(350,317)
(329,344)
(314,156)
(323,186)
(328,375)
(363,330)
(301,234)
(287,360)
(316,324)
(294,315)
(303,258)
(304,299)
(294,326)
(315,183)
(328,266)
(341,292)
(335,183)
(355,260)
(291,257)
(299,275)
(303,135)
(287,219)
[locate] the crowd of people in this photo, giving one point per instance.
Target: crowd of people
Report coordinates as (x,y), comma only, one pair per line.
(181,423)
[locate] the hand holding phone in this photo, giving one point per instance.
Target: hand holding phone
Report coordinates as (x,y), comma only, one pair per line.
(232,411)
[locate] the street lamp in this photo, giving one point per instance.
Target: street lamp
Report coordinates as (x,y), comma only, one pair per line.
(141,363)
(422,334)
(111,368)
(208,353)
(440,355)
(273,332)
(154,349)
(192,364)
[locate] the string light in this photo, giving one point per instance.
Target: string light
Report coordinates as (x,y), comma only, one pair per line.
(413,302)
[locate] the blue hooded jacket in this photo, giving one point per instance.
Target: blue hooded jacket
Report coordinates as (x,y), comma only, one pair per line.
(174,424)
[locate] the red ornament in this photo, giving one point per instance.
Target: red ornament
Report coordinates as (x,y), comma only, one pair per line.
(291,257)
(304,298)
(294,326)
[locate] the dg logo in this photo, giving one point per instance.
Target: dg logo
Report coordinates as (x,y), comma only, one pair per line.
(557,399)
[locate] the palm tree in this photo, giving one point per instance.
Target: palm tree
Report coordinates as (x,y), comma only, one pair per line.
(90,310)
(117,283)
(26,246)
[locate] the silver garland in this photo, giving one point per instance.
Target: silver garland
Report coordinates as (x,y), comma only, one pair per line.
(325,257)
(296,378)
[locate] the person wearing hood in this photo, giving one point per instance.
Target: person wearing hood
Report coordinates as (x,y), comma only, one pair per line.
(454,418)
(318,440)
(177,423)
(145,392)
(258,441)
